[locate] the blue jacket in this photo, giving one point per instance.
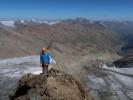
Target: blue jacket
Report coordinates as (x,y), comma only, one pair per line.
(45,58)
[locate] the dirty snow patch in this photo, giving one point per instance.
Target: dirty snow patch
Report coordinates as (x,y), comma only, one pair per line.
(51,22)
(8,23)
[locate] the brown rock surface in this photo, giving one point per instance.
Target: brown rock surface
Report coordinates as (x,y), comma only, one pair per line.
(57,86)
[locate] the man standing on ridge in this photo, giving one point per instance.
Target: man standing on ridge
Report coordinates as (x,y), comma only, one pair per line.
(45,60)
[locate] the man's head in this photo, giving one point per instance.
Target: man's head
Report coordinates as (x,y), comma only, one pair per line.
(43,50)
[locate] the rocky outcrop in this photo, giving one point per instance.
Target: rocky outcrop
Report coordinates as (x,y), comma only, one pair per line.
(57,86)
(125,62)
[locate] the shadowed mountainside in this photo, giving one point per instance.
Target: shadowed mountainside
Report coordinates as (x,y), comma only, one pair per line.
(125,62)
(124,30)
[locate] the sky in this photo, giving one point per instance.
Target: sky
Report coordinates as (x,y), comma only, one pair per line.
(62,9)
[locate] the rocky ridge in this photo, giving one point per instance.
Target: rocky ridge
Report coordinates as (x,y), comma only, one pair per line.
(57,86)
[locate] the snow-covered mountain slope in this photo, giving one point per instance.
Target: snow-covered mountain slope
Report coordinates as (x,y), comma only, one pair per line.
(103,83)
(8,23)
(12,70)
(12,23)
(51,22)
(37,21)
(110,83)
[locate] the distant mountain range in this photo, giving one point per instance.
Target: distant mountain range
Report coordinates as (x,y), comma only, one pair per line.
(22,37)
(125,31)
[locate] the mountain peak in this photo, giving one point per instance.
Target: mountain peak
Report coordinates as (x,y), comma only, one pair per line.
(55,87)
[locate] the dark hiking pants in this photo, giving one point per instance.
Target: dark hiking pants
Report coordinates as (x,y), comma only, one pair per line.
(45,69)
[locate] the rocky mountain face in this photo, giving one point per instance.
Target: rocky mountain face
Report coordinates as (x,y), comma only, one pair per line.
(125,31)
(22,37)
(125,62)
(56,86)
